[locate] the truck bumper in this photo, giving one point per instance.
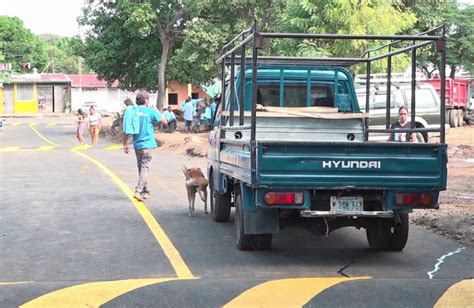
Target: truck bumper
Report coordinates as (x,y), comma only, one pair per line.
(380,214)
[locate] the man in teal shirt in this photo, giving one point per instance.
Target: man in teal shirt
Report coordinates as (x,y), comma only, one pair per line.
(143,142)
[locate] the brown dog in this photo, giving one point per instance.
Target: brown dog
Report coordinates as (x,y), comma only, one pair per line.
(195,182)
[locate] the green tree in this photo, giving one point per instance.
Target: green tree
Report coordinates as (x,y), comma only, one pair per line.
(19,45)
(144,43)
(459,22)
(342,17)
(131,40)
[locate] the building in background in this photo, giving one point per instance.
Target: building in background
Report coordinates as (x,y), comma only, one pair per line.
(61,93)
(176,93)
(35,93)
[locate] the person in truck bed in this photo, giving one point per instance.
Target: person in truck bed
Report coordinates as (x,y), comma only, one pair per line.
(402,123)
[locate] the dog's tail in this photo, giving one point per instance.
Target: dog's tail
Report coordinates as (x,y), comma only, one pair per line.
(185,171)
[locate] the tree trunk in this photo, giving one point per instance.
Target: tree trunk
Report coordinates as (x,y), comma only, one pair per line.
(453,71)
(160,99)
(168,36)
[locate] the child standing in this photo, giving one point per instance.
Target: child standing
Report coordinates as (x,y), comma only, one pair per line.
(81,123)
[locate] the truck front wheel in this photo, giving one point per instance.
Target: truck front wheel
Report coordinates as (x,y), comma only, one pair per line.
(220,203)
(383,234)
(242,240)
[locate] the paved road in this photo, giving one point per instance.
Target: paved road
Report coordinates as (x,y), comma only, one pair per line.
(72,235)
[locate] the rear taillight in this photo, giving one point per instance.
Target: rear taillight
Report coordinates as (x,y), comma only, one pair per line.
(423,199)
(284,198)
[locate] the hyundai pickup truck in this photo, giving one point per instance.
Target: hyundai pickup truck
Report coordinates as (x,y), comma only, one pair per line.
(289,146)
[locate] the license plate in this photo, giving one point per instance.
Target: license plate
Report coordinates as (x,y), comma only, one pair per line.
(346,204)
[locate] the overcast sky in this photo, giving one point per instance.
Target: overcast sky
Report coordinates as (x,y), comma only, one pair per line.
(54,16)
(45,16)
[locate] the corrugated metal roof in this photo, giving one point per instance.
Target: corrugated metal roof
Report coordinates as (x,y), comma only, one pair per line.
(39,78)
(89,81)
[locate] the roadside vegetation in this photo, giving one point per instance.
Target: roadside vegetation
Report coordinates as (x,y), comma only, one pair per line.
(144,44)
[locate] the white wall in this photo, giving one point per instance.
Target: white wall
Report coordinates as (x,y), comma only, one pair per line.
(104,99)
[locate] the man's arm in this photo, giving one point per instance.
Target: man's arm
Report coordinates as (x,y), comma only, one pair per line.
(126,141)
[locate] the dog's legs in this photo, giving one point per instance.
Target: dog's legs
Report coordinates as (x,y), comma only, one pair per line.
(203,195)
(191,210)
(191,196)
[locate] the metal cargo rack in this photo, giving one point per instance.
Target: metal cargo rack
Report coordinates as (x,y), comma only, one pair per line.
(234,54)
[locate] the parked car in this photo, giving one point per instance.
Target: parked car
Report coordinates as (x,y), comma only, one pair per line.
(427,108)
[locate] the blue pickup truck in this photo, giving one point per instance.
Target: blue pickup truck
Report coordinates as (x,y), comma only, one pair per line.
(289,146)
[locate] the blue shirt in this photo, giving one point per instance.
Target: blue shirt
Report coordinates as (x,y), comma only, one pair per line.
(169,115)
(145,139)
(131,122)
(188,111)
(207,114)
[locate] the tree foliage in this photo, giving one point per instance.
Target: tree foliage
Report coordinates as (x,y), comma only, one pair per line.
(19,45)
(143,43)
(341,17)
(61,54)
(459,22)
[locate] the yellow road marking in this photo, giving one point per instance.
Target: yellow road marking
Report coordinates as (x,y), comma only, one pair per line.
(91,294)
(177,262)
(52,124)
(16,124)
(460,294)
(10,149)
(46,148)
(114,147)
(285,292)
(81,148)
(41,136)
(14,282)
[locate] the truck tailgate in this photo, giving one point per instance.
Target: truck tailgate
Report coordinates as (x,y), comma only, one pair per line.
(358,165)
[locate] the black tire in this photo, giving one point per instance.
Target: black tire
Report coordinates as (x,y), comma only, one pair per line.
(420,138)
(453,119)
(263,241)
(383,234)
(460,118)
(220,203)
(243,241)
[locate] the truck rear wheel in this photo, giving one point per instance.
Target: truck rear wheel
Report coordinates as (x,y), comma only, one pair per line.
(385,235)
(220,203)
(453,118)
(460,118)
(242,240)
(263,241)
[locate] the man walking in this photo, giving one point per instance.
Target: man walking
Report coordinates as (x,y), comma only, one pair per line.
(143,142)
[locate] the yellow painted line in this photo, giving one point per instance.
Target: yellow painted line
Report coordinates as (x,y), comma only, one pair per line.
(114,147)
(10,149)
(46,148)
(293,292)
(81,148)
(14,282)
(91,294)
(460,294)
(180,267)
(52,124)
(41,136)
(16,124)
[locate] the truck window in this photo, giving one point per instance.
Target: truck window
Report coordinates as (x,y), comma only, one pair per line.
(424,98)
(295,95)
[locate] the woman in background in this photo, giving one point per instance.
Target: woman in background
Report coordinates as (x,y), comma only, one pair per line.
(93,124)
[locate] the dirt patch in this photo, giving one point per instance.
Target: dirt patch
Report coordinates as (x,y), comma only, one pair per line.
(455,217)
